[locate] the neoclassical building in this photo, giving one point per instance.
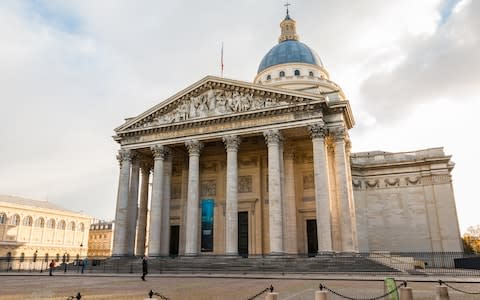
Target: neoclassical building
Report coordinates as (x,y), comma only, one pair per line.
(265,168)
(31,228)
(100,240)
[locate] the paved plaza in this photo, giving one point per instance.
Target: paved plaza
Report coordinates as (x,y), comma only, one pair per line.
(121,286)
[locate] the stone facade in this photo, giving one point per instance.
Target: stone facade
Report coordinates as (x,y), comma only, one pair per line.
(31,228)
(265,168)
(404,201)
(100,239)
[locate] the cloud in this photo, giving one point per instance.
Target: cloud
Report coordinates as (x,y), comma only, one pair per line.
(443,65)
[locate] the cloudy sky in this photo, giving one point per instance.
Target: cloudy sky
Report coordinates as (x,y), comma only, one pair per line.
(71,71)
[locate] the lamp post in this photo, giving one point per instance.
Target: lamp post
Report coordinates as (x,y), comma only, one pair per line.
(65,262)
(35,259)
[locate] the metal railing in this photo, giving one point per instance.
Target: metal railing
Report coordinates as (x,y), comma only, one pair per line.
(411,263)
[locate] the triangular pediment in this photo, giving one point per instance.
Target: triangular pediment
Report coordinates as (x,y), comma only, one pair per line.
(214,97)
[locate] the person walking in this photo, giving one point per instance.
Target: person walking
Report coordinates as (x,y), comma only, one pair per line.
(144,267)
(52,265)
(84,264)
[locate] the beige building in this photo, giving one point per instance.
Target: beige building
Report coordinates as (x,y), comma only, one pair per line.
(100,240)
(40,229)
(240,168)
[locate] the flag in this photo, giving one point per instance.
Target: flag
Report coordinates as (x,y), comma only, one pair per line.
(221,59)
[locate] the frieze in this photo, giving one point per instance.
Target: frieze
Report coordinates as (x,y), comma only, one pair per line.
(413,180)
(372,183)
(248,162)
(214,102)
(245,184)
(176,191)
(308,182)
(208,188)
(392,182)
(357,183)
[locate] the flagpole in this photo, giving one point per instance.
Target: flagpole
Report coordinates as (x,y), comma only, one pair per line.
(221,60)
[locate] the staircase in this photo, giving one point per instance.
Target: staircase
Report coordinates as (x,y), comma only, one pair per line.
(238,265)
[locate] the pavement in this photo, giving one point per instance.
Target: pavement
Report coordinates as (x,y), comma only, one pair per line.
(35,285)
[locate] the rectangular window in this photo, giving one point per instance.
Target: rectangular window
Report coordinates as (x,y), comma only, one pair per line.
(207,225)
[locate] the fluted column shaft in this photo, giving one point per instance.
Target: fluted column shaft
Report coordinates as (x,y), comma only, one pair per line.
(231,223)
(143,209)
(322,185)
(347,210)
(154,238)
(165,229)
(290,204)
(275,218)
(193,201)
(120,234)
(132,207)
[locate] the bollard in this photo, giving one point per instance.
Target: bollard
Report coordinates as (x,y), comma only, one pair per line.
(441,293)
(272,296)
(320,295)
(406,293)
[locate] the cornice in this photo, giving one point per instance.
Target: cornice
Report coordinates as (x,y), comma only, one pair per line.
(209,82)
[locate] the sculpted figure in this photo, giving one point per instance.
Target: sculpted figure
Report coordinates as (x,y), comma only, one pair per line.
(193,108)
(221,103)
(211,100)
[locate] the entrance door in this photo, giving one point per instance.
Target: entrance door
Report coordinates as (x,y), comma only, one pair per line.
(312,240)
(174,239)
(243,233)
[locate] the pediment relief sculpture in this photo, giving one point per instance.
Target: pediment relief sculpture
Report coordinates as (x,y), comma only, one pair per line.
(214,102)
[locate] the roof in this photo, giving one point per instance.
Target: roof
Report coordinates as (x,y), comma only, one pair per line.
(289,51)
(33,203)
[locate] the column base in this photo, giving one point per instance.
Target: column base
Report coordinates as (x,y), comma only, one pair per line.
(276,254)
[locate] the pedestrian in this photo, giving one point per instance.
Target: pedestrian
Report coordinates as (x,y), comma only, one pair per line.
(84,264)
(144,267)
(52,265)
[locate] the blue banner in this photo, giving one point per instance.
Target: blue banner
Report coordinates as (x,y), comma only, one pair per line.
(207,224)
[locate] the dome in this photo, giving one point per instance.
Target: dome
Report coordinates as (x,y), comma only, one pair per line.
(289,51)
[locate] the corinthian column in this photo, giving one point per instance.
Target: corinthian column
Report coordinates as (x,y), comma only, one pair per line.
(165,229)
(231,214)
(132,207)
(159,153)
(143,208)
(273,139)
(322,184)
(193,201)
(120,235)
(290,208)
(345,198)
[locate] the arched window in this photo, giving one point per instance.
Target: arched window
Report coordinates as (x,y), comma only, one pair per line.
(51,224)
(296,72)
(40,222)
(71,226)
(3,218)
(15,220)
(81,227)
(61,225)
(310,74)
(27,221)
(282,74)
(269,77)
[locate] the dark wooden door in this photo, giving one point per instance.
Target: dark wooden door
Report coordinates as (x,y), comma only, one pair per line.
(174,239)
(312,239)
(243,233)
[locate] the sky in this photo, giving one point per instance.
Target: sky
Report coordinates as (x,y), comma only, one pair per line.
(72,71)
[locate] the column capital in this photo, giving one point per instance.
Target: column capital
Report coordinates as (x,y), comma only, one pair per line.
(160,152)
(232,142)
(272,136)
(317,130)
(194,147)
(125,155)
(339,133)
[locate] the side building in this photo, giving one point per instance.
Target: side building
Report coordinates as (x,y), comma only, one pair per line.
(100,240)
(35,232)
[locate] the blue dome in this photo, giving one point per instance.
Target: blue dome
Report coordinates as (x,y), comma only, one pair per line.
(289,51)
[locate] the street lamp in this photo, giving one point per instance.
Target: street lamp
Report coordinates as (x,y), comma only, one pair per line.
(35,259)
(65,262)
